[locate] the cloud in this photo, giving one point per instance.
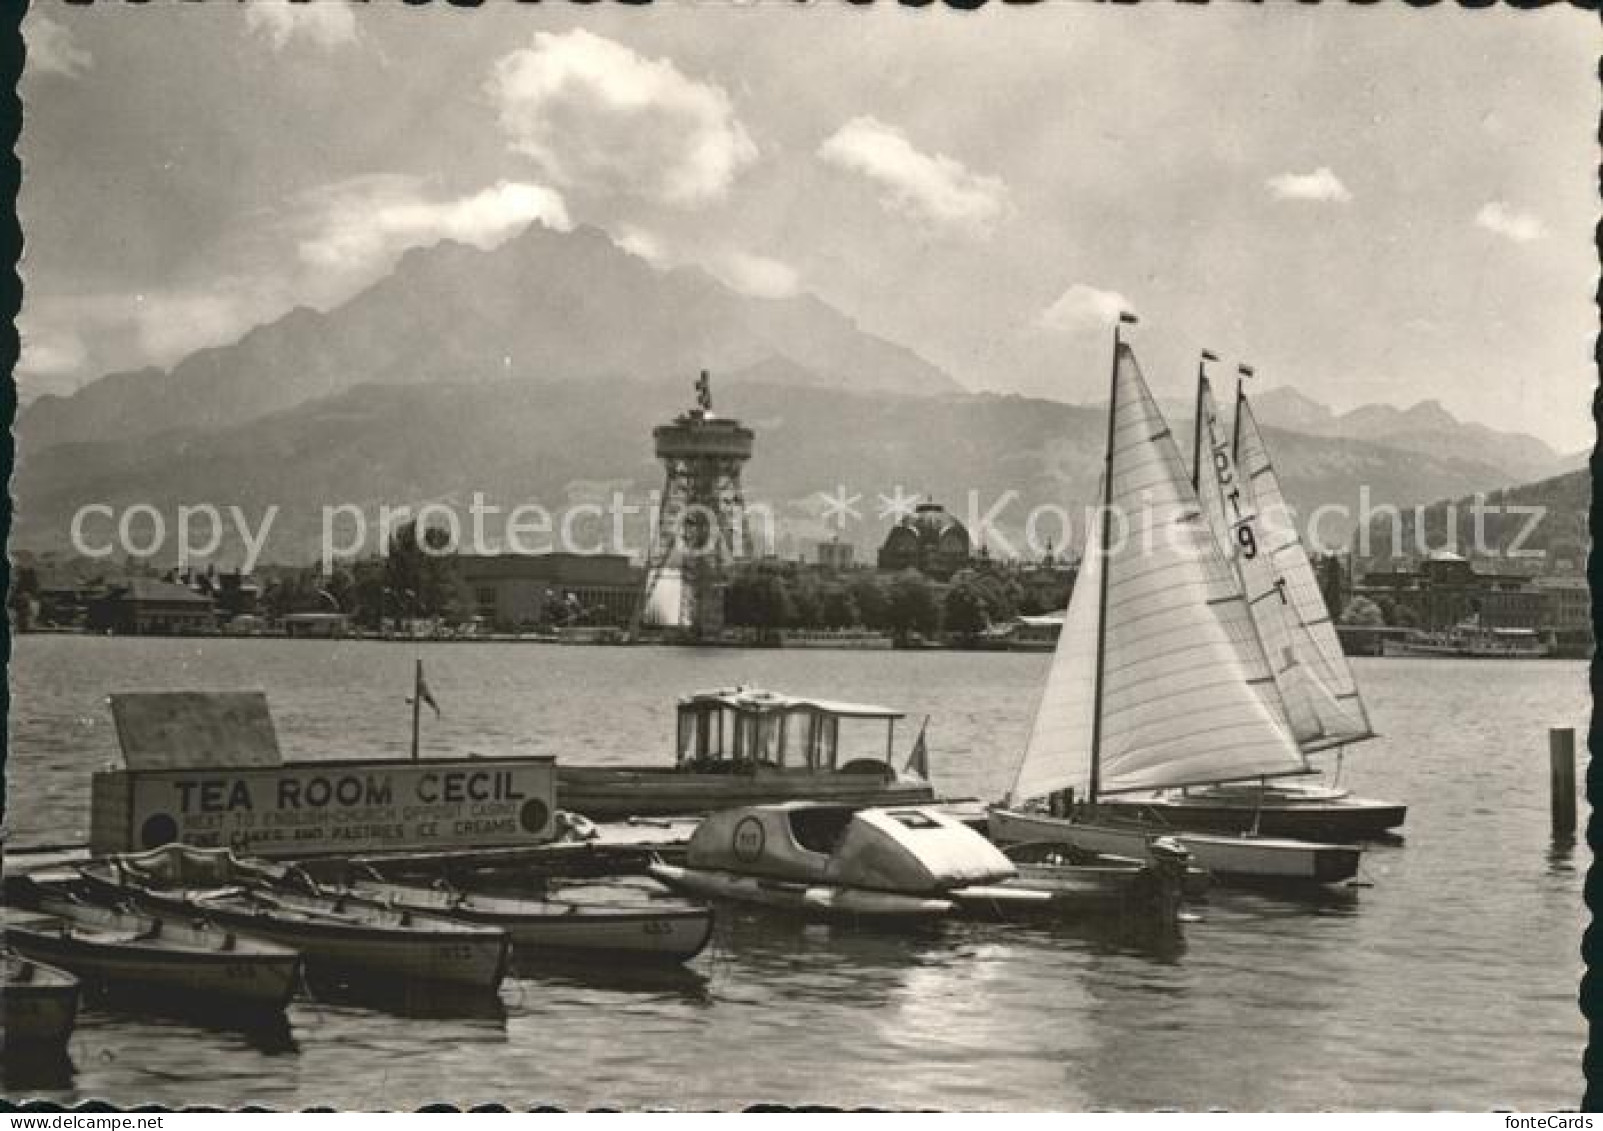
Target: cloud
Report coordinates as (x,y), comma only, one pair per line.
(51,49)
(326,24)
(1083,308)
(70,339)
(359,226)
(1521,227)
(337,240)
(1321,185)
(934,187)
(597,117)
(748,273)
(755,274)
(50,356)
(642,244)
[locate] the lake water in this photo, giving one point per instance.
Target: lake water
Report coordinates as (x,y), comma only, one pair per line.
(1450,983)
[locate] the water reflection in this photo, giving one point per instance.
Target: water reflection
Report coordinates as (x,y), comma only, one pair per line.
(1561,856)
(420,1000)
(29,1071)
(664,979)
(262,1028)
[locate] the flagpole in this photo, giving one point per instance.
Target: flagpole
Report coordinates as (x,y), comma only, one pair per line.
(417,707)
(1243,372)
(1196,428)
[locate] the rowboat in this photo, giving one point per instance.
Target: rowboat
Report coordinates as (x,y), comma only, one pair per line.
(38,1002)
(670,930)
(336,936)
(746,746)
(1161,678)
(183,956)
(836,861)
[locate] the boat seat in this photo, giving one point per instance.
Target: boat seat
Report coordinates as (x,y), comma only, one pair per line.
(819,830)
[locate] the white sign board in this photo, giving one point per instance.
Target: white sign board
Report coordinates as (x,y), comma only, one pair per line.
(310,808)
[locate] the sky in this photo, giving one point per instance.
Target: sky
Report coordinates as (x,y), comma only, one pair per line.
(1369,204)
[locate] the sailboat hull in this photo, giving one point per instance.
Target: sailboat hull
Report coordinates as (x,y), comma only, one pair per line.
(1237,858)
(1316,814)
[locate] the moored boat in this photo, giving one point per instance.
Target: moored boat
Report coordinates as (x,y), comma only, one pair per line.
(1282,809)
(1064,881)
(336,937)
(1471,640)
(1160,679)
(834,860)
(1324,708)
(1235,858)
(182,956)
(669,930)
(38,1003)
(745,746)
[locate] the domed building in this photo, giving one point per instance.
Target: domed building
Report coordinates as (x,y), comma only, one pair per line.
(929,540)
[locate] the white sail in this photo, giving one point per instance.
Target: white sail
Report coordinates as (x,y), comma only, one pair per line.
(1057,754)
(1228,502)
(1343,715)
(1182,672)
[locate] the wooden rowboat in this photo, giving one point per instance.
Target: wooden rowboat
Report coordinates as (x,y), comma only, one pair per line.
(337,937)
(671,930)
(39,1004)
(177,955)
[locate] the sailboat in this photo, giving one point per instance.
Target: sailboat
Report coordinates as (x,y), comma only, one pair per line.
(1159,680)
(1241,495)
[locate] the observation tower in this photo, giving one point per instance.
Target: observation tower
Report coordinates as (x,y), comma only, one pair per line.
(700,526)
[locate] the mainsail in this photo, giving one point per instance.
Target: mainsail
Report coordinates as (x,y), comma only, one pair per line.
(1159,616)
(1343,717)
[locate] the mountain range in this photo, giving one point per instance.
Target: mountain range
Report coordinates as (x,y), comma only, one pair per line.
(535,371)
(554,305)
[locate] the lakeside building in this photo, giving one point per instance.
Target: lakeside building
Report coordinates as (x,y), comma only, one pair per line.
(1568,613)
(1446,590)
(929,540)
(144,606)
(520,591)
(836,556)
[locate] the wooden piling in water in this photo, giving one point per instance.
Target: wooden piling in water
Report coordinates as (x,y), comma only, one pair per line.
(1561,754)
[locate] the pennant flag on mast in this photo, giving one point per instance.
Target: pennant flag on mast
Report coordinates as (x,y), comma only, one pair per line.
(1127,318)
(918,760)
(1209,355)
(423,694)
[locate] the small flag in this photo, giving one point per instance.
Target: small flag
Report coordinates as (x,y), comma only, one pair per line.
(918,760)
(1209,355)
(1127,318)
(1245,370)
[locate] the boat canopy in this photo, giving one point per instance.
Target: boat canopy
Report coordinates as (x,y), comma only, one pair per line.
(758,701)
(749,725)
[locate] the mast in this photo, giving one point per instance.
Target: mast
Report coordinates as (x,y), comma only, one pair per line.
(1242,373)
(1102,551)
(1196,428)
